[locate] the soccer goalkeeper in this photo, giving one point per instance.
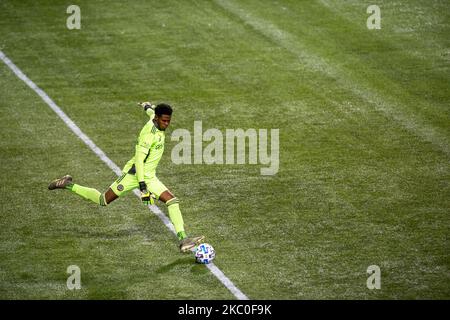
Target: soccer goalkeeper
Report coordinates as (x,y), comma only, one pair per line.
(140,172)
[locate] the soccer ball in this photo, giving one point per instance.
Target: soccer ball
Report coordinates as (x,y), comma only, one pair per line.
(204,253)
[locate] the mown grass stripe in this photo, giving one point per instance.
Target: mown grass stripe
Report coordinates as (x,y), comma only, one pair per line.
(393,110)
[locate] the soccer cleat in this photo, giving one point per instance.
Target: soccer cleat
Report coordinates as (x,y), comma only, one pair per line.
(187,244)
(60,183)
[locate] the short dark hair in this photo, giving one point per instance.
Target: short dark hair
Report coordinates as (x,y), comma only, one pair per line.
(163,108)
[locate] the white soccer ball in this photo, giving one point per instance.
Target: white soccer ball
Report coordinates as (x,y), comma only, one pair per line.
(204,253)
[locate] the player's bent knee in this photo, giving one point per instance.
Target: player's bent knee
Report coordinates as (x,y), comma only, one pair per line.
(107,197)
(166,196)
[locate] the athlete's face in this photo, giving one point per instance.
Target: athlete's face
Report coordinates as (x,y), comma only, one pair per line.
(163,121)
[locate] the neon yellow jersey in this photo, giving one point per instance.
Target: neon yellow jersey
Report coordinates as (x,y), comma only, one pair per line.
(149,150)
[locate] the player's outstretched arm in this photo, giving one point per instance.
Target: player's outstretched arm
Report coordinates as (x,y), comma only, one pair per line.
(149,108)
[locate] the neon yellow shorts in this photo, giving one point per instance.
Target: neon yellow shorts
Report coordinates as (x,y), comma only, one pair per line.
(127,182)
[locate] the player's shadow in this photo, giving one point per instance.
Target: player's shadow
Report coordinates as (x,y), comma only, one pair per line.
(187,261)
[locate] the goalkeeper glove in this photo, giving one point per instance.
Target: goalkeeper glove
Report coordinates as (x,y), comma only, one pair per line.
(146,197)
(146,105)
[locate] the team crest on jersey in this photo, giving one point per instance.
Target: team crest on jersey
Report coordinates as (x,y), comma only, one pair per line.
(120,187)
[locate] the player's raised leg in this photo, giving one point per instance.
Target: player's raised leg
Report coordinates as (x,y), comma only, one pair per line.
(85,192)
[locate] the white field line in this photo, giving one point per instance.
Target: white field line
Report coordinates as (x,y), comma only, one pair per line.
(391,109)
(215,270)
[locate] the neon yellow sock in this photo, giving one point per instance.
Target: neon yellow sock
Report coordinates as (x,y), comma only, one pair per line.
(86,193)
(176,217)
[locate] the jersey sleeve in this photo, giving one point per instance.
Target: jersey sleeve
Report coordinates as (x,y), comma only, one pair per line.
(150,112)
(143,146)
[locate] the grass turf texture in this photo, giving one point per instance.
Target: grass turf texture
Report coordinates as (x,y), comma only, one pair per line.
(364,153)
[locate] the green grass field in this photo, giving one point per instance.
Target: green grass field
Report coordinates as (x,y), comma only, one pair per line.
(364,174)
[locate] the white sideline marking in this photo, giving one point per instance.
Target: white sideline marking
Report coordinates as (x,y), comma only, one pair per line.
(215,270)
